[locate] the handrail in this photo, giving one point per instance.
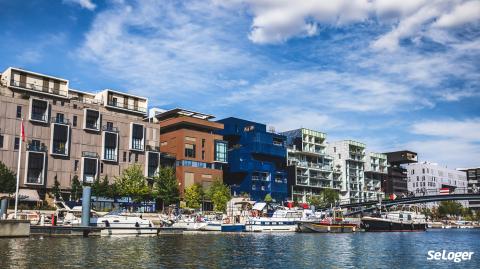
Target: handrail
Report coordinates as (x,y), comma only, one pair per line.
(32,86)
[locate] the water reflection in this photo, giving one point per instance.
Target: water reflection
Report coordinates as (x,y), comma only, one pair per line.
(257,250)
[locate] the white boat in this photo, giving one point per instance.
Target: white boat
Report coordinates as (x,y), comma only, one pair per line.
(282,220)
(213,226)
(115,223)
(188,223)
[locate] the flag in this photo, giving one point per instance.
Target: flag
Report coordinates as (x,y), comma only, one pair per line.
(23,132)
(444,191)
(393,196)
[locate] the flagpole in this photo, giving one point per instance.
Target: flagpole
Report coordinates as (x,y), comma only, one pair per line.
(18,169)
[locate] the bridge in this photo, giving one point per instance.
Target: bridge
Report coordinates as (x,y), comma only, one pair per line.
(372,205)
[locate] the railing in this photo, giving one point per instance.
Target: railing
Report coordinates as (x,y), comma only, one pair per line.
(153,148)
(257,178)
(39,116)
(60,120)
(126,106)
(59,148)
(89,154)
(137,144)
(110,129)
(91,125)
(33,87)
(110,154)
(36,147)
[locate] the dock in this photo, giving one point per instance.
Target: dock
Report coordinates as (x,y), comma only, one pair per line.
(87,231)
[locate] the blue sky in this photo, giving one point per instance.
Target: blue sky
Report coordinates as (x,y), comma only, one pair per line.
(393,74)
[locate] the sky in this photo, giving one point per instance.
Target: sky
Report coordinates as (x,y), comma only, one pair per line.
(394,74)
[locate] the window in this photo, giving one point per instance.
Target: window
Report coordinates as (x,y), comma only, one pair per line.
(60,136)
(136,157)
(114,101)
(89,169)
(60,118)
(339,156)
(335,149)
(74,106)
(110,146)
(220,151)
(137,136)
(413,171)
(62,103)
(101,168)
(17,143)
(203,154)
(39,110)
(92,120)
(75,165)
(129,157)
(189,151)
(35,167)
(153,163)
(203,143)
(74,121)
(1,141)
(124,156)
(109,125)
(19,112)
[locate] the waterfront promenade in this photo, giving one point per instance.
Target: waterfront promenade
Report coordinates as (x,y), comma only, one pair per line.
(243,250)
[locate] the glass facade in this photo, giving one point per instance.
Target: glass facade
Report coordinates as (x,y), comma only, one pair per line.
(220,151)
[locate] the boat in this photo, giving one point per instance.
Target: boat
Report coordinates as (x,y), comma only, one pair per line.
(212,226)
(33,217)
(232,227)
(395,221)
(282,220)
(328,222)
(116,223)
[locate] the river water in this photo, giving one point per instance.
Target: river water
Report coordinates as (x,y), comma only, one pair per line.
(243,250)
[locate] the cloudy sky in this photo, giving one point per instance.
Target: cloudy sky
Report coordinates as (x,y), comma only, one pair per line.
(395,74)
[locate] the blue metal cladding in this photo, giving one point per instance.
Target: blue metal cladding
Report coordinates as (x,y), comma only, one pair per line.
(256,160)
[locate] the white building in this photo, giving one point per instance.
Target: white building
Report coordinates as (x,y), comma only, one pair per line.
(428,178)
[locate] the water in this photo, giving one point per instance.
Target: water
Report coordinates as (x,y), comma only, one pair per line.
(247,250)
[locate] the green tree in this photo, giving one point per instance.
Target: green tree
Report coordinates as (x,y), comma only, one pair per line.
(219,194)
(451,208)
(166,186)
(316,200)
(193,196)
(330,197)
(56,188)
(76,189)
(132,183)
(268,198)
(8,180)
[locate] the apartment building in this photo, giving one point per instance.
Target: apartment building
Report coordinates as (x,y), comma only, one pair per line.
(191,139)
(375,173)
(427,178)
(396,182)
(473,180)
(349,157)
(256,160)
(310,168)
(71,133)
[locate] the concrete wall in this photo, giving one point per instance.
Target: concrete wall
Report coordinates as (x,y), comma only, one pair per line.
(14,228)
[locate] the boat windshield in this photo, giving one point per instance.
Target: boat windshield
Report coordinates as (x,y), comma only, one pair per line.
(115,212)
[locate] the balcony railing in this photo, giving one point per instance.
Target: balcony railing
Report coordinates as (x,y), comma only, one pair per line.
(257,178)
(60,120)
(59,148)
(36,147)
(126,106)
(137,144)
(153,148)
(38,88)
(110,129)
(39,116)
(91,125)
(89,154)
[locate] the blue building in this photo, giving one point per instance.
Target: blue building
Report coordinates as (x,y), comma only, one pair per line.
(256,160)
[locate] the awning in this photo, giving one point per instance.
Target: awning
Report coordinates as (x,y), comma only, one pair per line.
(259,206)
(28,195)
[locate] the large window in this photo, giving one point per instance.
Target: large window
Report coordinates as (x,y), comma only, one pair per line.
(39,110)
(35,168)
(189,150)
(153,163)
(60,138)
(137,137)
(92,120)
(221,151)
(110,146)
(89,169)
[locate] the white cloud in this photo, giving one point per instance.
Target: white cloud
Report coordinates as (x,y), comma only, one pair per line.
(280,20)
(86,4)
(468,130)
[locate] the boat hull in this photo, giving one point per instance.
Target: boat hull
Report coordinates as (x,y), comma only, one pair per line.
(317,227)
(270,228)
(128,231)
(233,227)
(384,225)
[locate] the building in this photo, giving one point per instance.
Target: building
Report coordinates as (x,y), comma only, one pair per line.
(396,182)
(256,160)
(375,173)
(349,157)
(71,133)
(473,180)
(310,169)
(191,139)
(428,178)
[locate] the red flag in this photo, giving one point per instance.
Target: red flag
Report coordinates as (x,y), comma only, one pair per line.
(23,132)
(393,196)
(444,191)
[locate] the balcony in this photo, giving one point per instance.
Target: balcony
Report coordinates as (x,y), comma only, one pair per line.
(108,128)
(267,149)
(152,148)
(60,120)
(35,147)
(37,88)
(126,106)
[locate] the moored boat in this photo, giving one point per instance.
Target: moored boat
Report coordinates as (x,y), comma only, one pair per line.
(114,223)
(282,220)
(327,225)
(395,221)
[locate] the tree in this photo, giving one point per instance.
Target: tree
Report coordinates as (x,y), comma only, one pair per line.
(166,186)
(451,208)
(316,201)
(76,189)
(7,180)
(330,197)
(132,183)
(219,194)
(193,196)
(56,188)
(268,198)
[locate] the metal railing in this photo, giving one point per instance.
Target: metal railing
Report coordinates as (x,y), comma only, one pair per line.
(126,106)
(39,117)
(60,120)
(38,88)
(36,147)
(89,154)
(110,129)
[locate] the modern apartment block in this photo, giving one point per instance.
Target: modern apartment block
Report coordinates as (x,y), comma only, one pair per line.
(349,156)
(256,160)
(190,137)
(310,168)
(71,133)
(396,182)
(375,173)
(428,178)
(473,180)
